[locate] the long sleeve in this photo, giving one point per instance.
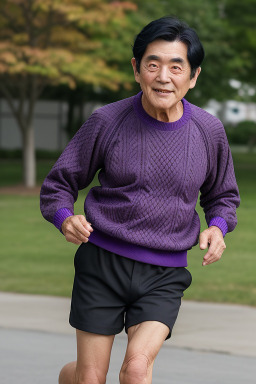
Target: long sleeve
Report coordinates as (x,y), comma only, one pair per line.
(73,171)
(219,192)
(150,176)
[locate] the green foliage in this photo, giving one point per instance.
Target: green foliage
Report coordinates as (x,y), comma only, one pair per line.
(62,42)
(243,133)
(227,30)
(89,42)
(56,43)
(241,26)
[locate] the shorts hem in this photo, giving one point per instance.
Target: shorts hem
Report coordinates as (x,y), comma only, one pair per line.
(143,319)
(93,329)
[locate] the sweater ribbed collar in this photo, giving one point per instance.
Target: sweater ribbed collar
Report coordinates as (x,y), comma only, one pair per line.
(154,123)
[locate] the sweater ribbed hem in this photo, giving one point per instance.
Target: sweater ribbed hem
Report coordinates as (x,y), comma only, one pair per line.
(137,252)
(220,223)
(60,216)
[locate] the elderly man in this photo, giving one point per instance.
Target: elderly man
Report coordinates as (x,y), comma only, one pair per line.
(155,152)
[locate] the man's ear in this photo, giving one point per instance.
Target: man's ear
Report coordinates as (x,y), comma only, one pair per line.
(194,79)
(136,73)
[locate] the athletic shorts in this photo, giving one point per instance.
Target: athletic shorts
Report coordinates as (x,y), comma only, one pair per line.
(111,292)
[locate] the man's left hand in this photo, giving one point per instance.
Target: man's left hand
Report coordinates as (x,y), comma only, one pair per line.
(212,237)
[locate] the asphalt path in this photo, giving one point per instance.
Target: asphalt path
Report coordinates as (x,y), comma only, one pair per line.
(211,343)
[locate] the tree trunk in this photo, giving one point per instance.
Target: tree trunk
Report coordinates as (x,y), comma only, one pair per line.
(29,157)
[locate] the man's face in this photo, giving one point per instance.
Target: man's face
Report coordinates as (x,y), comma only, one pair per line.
(164,76)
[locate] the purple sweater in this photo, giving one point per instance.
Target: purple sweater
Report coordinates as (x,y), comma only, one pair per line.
(151,174)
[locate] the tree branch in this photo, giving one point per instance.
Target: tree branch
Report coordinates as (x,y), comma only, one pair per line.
(9,99)
(40,89)
(22,88)
(32,99)
(27,14)
(48,28)
(8,96)
(10,19)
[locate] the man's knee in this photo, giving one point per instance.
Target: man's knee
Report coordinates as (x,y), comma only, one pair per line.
(88,375)
(135,369)
(67,374)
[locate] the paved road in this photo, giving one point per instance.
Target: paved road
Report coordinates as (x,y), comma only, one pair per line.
(211,344)
(33,357)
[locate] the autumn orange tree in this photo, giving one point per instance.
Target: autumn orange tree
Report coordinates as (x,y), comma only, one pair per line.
(54,42)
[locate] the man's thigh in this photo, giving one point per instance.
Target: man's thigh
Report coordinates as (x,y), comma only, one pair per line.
(147,338)
(144,342)
(93,356)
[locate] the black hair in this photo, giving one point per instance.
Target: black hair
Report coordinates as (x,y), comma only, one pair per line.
(170,29)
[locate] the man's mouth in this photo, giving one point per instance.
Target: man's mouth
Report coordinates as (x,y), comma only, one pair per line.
(162,90)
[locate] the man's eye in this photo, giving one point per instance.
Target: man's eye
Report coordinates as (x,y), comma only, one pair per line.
(152,66)
(176,68)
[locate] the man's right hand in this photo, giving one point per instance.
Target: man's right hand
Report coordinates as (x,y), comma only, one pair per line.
(76,229)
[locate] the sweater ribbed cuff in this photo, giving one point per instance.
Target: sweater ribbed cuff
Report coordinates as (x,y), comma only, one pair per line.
(60,216)
(220,223)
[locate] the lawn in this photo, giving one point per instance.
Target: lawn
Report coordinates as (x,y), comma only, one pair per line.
(35,258)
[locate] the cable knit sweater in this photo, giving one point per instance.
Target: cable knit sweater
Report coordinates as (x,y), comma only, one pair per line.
(150,177)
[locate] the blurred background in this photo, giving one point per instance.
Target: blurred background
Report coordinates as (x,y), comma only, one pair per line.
(59,61)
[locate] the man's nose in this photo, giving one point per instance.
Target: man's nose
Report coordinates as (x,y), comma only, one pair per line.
(164,75)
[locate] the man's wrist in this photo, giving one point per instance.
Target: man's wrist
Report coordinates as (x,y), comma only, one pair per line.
(220,223)
(61,215)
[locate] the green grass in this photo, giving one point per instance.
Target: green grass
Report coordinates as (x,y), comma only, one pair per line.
(35,258)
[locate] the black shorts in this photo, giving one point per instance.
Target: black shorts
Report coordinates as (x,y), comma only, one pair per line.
(111,291)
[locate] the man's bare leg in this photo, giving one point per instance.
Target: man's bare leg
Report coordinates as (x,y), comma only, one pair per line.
(144,343)
(93,356)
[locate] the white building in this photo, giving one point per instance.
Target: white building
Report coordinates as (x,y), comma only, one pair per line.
(231,111)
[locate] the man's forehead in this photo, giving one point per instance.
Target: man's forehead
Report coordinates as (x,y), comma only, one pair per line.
(159,58)
(173,51)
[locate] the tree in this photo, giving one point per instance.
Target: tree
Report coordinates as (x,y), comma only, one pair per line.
(207,19)
(227,30)
(54,42)
(240,23)
(243,133)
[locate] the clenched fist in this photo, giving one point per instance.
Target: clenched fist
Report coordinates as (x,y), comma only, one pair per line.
(76,229)
(212,239)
